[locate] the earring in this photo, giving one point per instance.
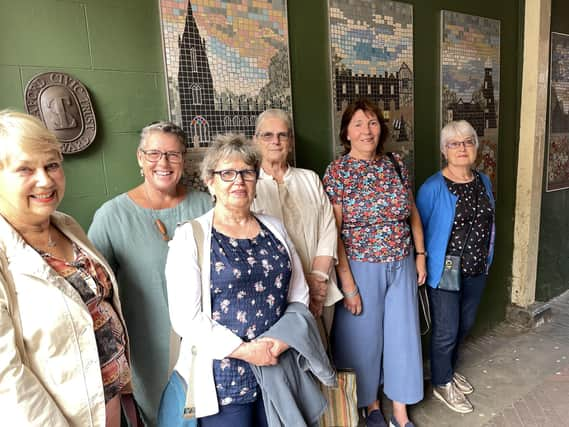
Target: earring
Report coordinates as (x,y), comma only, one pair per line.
(213,199)
(141,172)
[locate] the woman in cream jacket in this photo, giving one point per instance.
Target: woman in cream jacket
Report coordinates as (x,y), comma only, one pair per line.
(63,344)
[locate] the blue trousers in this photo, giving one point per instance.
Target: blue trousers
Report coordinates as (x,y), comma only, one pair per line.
(383,343)
(238,415)
(452,315)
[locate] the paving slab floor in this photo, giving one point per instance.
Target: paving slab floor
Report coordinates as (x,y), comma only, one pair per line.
(520,378)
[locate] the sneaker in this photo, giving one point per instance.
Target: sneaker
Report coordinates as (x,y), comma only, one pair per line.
(453,398)
(375,419)
(393,423)
(462,383)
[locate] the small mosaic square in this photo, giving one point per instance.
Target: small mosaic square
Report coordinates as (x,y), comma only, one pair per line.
(371,51)
(558,144)
(226,62)
(470,80)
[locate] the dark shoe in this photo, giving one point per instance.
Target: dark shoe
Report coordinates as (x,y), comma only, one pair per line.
(375,419)
(393,423)
(453,398)
(462,383)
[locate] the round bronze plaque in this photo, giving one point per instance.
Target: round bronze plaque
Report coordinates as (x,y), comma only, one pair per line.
(63,104)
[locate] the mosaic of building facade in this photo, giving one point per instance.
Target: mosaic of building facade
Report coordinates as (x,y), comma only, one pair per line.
(470,80)
(226,62)
(558,144)
(371,54)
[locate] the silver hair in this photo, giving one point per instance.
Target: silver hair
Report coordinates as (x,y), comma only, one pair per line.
(457,128)
(164,127)
(277,114)
(226,147)
(27,133)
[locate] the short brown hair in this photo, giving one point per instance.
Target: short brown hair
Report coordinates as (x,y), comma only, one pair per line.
(367,107)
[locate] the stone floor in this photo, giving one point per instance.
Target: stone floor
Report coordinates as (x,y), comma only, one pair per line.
(521,378)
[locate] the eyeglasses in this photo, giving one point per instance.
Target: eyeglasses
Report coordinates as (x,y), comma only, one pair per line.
(269,136)
(467,143)
(156,155)
(230,175)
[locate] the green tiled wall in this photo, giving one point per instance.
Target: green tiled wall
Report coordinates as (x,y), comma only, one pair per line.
(114,48)
(312,105)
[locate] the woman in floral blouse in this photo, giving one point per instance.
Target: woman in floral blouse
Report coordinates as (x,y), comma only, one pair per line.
(376,329)
(248,274)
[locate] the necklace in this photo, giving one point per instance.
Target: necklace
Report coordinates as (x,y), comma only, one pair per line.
(157,222)
(458,179)
(50,242)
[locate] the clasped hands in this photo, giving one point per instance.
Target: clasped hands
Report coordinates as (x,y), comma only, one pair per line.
(263,351)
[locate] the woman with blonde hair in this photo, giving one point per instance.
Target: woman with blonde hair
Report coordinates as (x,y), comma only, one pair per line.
(63,340)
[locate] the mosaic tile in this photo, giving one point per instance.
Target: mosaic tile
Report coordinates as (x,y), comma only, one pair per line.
(558,144)
(371,51)
(470,81)
(226,62)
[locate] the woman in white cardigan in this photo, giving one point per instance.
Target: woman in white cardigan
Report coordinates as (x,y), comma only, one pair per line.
(219,305)
(297,198)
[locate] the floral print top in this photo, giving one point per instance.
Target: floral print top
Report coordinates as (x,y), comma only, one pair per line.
(473,208)
(375,207)
(249,287)
(94,286)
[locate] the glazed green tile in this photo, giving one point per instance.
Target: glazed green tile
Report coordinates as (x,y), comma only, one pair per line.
(84,173)
(125,35)
(82,208)
(123,101)
(47,33)
(121,167)
(11,92)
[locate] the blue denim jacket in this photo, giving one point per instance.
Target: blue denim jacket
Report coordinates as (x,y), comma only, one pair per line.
(436,205)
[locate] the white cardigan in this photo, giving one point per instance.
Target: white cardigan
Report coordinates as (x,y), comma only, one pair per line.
(318,221)
(186,280)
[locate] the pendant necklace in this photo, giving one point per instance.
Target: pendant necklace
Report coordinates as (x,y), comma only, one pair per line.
(157,222)
(50,242)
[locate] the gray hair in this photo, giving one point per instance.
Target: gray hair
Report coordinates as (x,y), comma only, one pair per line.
(226,147)
(457,128)
(27,133)
(274,113)
(164,127)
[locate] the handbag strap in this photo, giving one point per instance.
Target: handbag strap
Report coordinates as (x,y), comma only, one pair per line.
(130,410)
(475,213)
(425,308)
(190,405)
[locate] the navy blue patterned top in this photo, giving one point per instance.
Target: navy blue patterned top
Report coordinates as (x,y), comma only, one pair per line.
(249,287)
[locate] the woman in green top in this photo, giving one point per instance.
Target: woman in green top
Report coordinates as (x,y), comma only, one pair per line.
(132,232)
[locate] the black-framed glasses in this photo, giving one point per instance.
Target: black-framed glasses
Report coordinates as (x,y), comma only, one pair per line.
(230,175)
(269,136)
(154,156)
(467,143)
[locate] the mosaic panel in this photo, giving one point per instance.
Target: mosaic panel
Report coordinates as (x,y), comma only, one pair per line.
(226,62)
(558,144)
(470,80)
(371,55)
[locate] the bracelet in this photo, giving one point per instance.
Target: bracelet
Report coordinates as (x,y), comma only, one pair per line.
(321,274)
(352,293)
(424,253)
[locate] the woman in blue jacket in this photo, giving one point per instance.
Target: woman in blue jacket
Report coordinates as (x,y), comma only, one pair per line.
(457,210)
